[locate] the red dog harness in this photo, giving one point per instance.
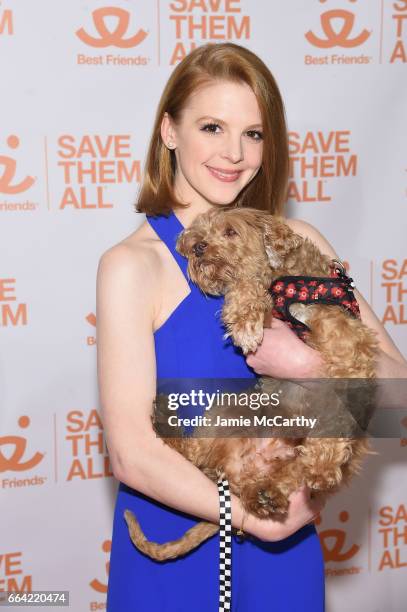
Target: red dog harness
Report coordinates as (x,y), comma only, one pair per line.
(337,289)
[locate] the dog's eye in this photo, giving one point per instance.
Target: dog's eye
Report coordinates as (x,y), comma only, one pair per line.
(230,232)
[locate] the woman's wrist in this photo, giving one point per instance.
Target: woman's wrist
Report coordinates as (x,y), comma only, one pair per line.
(241,519)
(238,512)
(252,526)
(264,529)
(240,532)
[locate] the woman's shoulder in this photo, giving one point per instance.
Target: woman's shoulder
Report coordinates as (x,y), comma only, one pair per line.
(136,261)
(140,250)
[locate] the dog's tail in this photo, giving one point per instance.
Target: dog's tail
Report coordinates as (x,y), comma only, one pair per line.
(170,550)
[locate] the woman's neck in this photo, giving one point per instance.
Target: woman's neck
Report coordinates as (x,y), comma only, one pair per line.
(187,215)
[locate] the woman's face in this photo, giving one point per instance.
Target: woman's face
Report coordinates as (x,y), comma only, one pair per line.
(218,144)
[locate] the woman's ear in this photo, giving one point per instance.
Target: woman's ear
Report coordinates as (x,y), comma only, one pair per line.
(168,132)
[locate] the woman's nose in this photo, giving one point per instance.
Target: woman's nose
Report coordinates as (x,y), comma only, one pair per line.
(233,149)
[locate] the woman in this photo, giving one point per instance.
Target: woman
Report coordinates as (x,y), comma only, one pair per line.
(219,139)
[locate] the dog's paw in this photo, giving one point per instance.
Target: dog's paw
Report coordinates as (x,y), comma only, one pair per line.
(248,335)
(325,481)
(271,502)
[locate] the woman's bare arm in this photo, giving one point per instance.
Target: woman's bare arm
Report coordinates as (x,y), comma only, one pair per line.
(127,293)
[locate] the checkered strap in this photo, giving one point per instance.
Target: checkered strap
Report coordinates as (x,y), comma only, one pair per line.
(225,546)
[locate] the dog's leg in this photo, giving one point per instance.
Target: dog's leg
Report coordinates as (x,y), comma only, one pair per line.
(349,350)
(264,498)
(348,347)
(329,462)
(322,460)
(265,490)
(321,464)
(246,304)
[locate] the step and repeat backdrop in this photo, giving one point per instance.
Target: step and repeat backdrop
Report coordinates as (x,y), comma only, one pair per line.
(80,82)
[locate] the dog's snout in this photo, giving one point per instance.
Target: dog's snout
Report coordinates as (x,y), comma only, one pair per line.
(199,248)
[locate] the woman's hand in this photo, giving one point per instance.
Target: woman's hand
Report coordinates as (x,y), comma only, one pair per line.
(283,355)
(302,510)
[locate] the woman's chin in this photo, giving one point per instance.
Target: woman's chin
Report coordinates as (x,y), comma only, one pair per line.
(222,200)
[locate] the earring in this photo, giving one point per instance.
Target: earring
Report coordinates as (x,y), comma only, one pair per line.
(170,145)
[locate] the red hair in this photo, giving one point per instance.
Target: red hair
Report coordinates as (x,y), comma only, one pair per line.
(231,62)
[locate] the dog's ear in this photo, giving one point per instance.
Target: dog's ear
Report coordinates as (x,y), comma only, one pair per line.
(183,244)
(279,239)
(180,244)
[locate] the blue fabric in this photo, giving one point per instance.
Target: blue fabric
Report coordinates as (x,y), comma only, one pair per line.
(286,576)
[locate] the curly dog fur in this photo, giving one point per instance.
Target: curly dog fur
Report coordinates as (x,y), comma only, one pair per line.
(238,253)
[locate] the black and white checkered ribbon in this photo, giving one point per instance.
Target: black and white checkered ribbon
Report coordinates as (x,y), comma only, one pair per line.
(225,546)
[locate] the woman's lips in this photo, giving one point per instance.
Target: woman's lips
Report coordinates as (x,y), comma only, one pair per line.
(225,177)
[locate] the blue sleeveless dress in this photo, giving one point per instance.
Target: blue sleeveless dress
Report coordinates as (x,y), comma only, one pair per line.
(285,576)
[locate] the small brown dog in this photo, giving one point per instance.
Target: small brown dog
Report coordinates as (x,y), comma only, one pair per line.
(241,254)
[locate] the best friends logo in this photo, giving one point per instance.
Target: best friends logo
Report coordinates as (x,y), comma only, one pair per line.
(339,30)
(376,27)
(13,180)
(119,35)
(100,586)
(80,454)
(316,160)
(20,459)
(342,38)
(337,548)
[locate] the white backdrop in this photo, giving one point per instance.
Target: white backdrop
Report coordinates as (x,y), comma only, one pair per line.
(79,87)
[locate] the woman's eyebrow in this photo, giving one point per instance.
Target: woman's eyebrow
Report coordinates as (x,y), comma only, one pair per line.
(221,122)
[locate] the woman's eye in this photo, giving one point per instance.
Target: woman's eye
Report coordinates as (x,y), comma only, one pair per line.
(230,232)
(209,127)
(255,134)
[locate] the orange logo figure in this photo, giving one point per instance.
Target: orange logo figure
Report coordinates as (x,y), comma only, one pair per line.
(6,22)
(111,38)
(336,552)
(100,587)
(91,319)
(10,169)
(20,443)
(341,38)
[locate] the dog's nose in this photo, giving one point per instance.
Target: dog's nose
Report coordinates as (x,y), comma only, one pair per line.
(199,248)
